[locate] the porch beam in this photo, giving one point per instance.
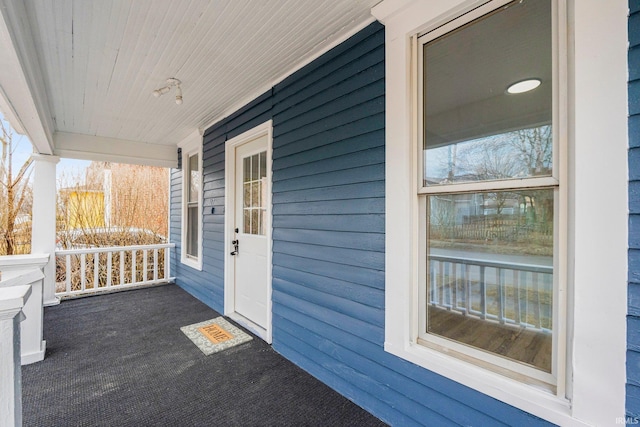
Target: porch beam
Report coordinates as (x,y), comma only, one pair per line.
(99,148)
(23,99)
(43,220)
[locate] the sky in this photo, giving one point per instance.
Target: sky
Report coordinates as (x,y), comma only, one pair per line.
(65,169)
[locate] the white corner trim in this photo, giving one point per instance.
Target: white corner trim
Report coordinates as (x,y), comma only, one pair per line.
(191,140)
(306,61)
(45,158)
(388,8)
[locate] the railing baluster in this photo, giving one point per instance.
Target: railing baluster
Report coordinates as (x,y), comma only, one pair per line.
(483,293)
(109,262)
(536,292)
(145,263)
(134,278)
(96,270)
(454,286)
(83,270)
(516,302)
(432,282)
(500,294)
(167,266)
(121,268)
(526,297)
(548,280)
(67,272)
(467,288)
(155,264)
(446,286)
(439,288)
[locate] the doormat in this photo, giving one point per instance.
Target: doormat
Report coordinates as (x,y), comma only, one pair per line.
(212,336)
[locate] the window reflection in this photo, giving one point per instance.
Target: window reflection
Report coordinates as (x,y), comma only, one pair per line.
(490,272)
(254,200)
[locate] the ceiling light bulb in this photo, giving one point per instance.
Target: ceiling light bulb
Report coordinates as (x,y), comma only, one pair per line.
(524,86)
(161,91)
(178,95)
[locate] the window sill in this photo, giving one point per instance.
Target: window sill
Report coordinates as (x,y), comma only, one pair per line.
(193,263)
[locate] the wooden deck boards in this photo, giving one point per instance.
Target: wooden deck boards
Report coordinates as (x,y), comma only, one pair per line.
(525,345)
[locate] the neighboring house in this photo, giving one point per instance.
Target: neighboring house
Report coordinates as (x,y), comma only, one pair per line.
(118,195)
(303,214)
(84,208)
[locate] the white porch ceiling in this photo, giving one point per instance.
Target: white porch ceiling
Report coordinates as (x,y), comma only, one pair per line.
(88,68)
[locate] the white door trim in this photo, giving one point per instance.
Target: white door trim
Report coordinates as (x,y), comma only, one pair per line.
(229,215)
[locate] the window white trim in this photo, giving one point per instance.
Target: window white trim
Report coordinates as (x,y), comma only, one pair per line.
(190,146)
(493,361)
(597,99)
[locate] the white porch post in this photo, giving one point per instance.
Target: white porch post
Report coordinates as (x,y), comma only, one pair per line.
(43,229)
(12,300)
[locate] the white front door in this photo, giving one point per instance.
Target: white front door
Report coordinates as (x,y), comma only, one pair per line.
(250,244)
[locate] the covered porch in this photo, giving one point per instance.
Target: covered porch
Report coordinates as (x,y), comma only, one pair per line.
(296,133)
(91,82)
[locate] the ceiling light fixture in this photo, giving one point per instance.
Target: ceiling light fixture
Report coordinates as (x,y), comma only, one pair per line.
(171,82)
(523,86)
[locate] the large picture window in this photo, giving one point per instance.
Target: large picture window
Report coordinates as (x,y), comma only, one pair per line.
(489,191)
(485,238)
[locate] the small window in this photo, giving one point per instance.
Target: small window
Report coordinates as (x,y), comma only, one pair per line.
(192,205)
(488,191)
(254,186)
(193,178)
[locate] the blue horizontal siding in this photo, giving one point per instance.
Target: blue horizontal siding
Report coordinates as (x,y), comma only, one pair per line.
(633,296)
(343,161)
(361,190)
(365,330)
(328,179)
(345,222)
(633,311)
(362,276)
(365,295)
(328,238)
(360,99)
(332,151)
(633,400)
(344,56)
(363,241)
(634,24)
(322,298)
(332,254)
(340,134)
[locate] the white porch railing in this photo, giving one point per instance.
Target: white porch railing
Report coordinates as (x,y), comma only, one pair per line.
(19,270)
(93,270)
(511,293)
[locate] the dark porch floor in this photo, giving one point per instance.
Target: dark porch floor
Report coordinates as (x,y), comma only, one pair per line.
(121,360)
